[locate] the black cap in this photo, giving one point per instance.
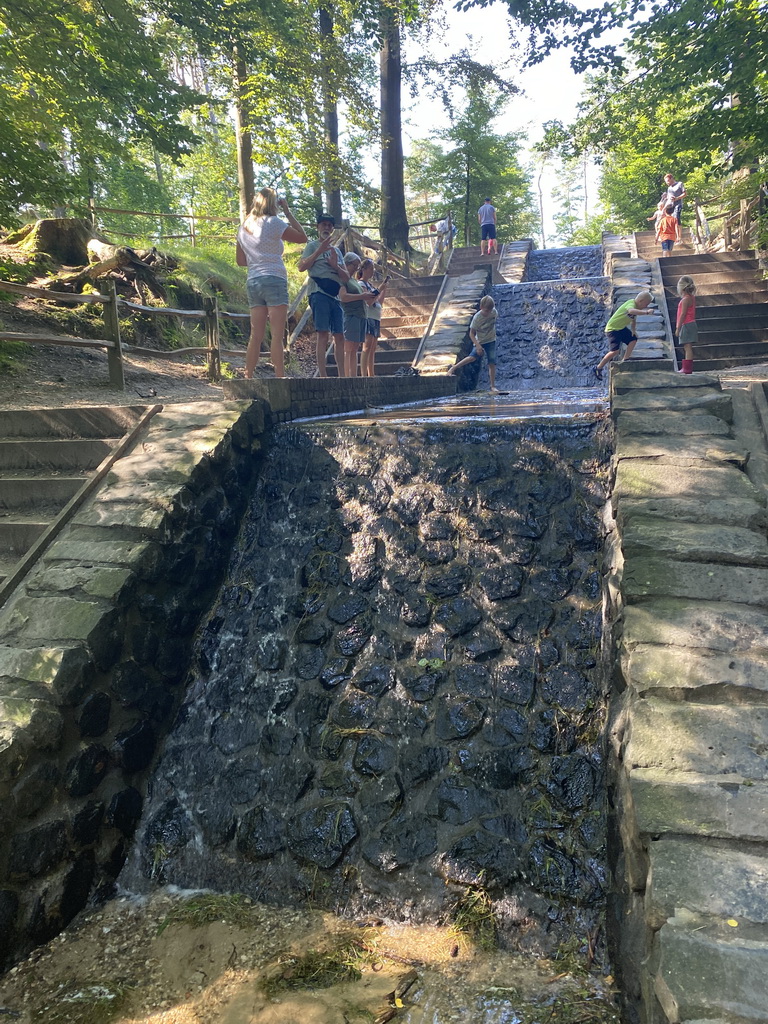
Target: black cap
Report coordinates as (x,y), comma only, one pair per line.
(326,216)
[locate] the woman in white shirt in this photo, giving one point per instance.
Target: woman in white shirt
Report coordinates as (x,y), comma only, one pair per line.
(260,248)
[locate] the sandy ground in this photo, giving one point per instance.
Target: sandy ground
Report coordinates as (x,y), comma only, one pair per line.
(154,961)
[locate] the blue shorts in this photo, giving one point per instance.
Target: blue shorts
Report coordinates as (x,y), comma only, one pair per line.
(354,329)
(488,231)
(618,338)
(373,326)
(267,290)
(326,313)
(666,245)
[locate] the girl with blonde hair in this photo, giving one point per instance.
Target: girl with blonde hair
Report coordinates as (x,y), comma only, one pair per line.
(260,241)
(686,329)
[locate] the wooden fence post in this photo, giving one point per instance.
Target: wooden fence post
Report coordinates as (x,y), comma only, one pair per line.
(112,324)
(212,341)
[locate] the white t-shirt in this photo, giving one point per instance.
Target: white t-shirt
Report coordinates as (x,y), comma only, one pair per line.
(263,247)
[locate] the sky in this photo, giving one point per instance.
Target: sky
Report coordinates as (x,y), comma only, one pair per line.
(549,91)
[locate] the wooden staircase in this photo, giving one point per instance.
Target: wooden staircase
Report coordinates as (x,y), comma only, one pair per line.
(731,306)
(466,258)
(46,455)
(406,313)
(649,249)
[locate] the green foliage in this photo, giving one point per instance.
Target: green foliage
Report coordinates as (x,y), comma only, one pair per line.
(316,968)
(478,163)
(473,916)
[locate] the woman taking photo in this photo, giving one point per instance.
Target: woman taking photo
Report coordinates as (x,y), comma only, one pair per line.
(373,322)
(260,248)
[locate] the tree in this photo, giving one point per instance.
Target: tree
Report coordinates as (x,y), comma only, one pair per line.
(478,163)
(78,81)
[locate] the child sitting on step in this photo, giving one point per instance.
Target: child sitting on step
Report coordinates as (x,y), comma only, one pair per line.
(618,331)
(686,329)
(482,334)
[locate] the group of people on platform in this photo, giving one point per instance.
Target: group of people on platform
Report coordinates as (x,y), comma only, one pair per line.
(345,303)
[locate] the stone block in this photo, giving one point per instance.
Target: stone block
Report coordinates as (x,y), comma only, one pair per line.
(658,576)
(710,878)
(105,512)
(674,424)
(95,581)
(650,479)
(52,619)
(701,738)
(65,672)
(727,627)
(701,400)
(693,542)
(26,725)
(663,380)
(743,512)
(711,971)
(683,451)
(689,803)
(687,674)
(85,550)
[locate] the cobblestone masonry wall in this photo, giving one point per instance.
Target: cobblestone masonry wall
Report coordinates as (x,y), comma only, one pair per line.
(95,648)
(397,692)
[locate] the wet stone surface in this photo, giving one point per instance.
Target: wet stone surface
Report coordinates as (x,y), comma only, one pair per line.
(397,692)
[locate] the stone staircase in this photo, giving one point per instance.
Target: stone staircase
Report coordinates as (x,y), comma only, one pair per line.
(466,258)
(646,247)
(46,455)
(628,277)
(731,306)
(407,310)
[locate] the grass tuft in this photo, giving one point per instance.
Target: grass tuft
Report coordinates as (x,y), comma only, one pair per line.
(319,968)
(232,908)
(473,916)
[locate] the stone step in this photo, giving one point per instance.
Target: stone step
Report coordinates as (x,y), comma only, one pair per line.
(652,481)
(54,455)
(709,582)
(18,535)
(674,424)
(693,542)
(22,491)
(683,451)
(86,422)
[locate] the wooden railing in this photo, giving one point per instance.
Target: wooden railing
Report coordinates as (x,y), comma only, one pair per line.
(738,229)
(112,343)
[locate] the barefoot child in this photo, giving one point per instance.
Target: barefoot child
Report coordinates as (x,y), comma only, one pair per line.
(686,329)
(482,334)
(618,331)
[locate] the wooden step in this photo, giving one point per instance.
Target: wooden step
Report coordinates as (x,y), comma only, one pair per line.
(86,422)
(54,455)
(17,492)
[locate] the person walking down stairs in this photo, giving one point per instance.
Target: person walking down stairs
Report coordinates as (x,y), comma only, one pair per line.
(686,329)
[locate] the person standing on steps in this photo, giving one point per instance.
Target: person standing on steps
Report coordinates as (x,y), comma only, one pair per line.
(325,265)
(260,248)
(482,334)
(686,329)
(373,323)
(486,217)
(675,194)
(668,230)
(355,300)
(618,331)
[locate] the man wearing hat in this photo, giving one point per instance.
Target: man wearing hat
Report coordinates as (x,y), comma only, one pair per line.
(325,265)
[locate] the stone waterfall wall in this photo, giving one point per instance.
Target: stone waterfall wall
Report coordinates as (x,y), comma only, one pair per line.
(398,690)
(96,644)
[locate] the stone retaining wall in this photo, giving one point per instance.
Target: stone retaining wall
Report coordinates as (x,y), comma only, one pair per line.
(687,575)
(95,648)
(301,398)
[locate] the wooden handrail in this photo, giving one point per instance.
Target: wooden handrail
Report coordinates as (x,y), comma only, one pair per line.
(56,339)
(45,293)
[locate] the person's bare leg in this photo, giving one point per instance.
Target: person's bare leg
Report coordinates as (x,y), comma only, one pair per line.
(630,347)
(351,348)
(321,347)
(607,358)
(340,354)
(277,317)
(458,366)
(482,247)
(492,374)
(364,358)
(258,327)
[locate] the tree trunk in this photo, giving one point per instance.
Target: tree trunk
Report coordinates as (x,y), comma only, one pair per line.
(541,208)
(330,118)
(466,201)
(245,182)
(394,219)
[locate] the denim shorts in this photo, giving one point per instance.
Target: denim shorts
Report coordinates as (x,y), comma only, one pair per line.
(373,326)
(666,244)
(267,290)
(326,313)
(489,351)
(354,329)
